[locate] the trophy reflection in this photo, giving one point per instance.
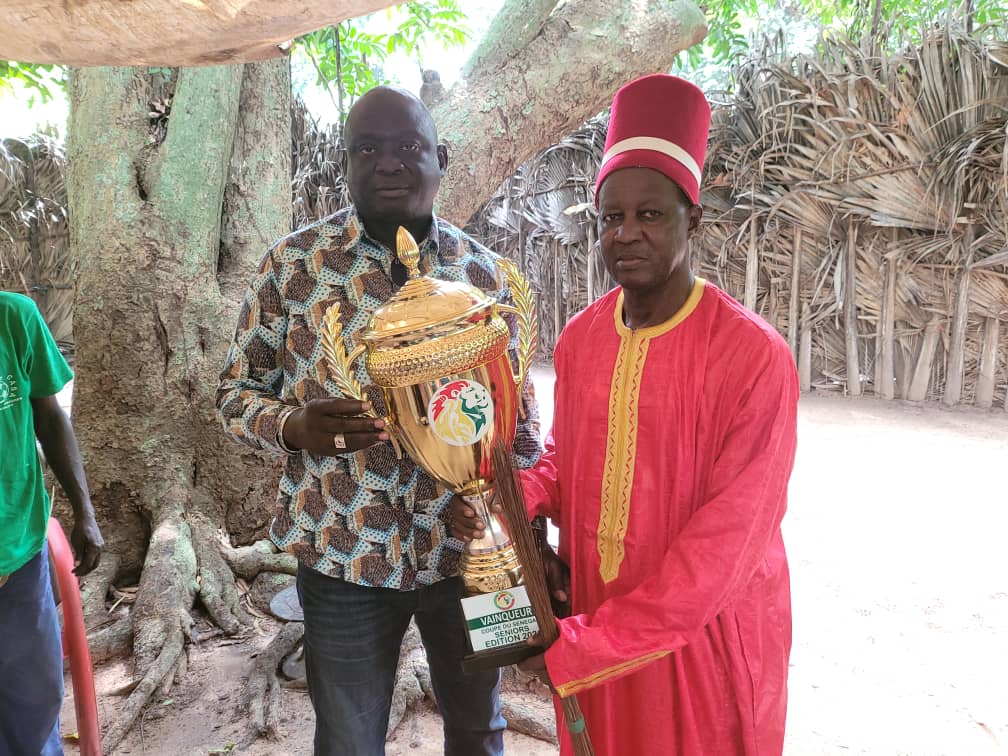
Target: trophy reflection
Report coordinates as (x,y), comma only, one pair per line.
(439,352)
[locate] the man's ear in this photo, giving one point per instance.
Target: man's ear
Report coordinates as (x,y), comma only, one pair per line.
(442,157)
(695,216)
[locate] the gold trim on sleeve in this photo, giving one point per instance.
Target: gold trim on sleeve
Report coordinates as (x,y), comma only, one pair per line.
(576,686)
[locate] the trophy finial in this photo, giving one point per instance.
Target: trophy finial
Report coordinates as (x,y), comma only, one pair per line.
(408,252)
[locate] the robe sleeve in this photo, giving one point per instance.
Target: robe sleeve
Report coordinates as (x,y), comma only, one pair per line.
(716,553)
(542,485)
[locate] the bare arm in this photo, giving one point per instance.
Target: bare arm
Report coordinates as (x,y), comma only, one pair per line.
(59,444)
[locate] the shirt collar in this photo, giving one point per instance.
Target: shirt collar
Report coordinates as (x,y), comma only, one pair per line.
(430,247)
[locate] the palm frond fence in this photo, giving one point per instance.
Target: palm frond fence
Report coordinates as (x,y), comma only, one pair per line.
(34,239)
(857,201)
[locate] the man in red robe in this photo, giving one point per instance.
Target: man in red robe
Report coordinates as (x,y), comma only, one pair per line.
(667,469)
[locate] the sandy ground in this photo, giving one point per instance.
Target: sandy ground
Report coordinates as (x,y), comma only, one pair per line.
(896,534)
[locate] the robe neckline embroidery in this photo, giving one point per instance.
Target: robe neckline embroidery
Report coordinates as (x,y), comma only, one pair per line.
(621,435)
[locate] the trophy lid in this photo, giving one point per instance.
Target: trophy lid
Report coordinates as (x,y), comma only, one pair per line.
(424,302)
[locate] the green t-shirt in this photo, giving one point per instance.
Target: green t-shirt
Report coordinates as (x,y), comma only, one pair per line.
(31,366)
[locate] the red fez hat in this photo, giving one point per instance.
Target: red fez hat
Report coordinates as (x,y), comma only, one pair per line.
(659,122)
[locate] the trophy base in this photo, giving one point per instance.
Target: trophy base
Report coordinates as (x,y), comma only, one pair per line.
(498,657)
(498,625)
(495,571)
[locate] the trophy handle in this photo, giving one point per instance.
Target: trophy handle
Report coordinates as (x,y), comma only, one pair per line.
(341,367)
(528,327)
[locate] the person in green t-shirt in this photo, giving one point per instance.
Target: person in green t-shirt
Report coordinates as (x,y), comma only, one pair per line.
(32,372)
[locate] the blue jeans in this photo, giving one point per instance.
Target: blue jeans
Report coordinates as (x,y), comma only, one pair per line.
(31,663)
(352,639)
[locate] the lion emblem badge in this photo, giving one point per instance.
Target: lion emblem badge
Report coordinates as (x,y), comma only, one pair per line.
(461,412)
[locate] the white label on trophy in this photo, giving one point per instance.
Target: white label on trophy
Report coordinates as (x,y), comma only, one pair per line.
(461,412)
(499,619)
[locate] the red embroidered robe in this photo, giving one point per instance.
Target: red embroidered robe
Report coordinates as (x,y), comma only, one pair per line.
(666,473)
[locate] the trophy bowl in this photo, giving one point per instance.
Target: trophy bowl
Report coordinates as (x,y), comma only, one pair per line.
(439,352)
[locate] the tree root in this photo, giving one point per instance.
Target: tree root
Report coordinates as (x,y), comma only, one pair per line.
(528,705)
(217,590)
(94,587)
(182,562)
(248,561)
(535,719)
(413,682)
(158,670)
(111,641)
(263,691)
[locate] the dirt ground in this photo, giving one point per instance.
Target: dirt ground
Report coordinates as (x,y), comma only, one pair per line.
(896,535)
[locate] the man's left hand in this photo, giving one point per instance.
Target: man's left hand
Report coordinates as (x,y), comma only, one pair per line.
(536,665)
(87,542)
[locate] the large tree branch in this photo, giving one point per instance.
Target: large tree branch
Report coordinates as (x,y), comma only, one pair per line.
(568,71)
(515,25)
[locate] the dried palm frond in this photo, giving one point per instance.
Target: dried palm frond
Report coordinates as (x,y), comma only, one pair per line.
(906,151)
(34,257)
(318,186)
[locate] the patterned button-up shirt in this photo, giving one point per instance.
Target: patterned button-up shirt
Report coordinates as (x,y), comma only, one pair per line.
(365,517)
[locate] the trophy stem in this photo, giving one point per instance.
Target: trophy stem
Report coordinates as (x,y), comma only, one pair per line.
(490,563)
(495,536)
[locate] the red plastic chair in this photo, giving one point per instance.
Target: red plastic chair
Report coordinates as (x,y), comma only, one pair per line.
(75,645)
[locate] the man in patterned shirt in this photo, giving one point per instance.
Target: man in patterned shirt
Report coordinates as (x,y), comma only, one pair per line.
(369,530)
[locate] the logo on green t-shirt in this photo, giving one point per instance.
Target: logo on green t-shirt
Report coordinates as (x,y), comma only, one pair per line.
(8,392)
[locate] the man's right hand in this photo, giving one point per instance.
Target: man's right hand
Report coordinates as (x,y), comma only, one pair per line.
(321,424)
(467,526)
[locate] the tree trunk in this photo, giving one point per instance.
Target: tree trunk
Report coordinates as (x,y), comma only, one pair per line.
(155,33)
(516,24)
(514,102)
(155,306)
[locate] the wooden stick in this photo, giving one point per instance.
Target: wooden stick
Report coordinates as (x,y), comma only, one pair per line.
(805,352)
(850,314)
(957,343)
(512,499)
(988,364)
(922,373)
(752,267)
(793,324)
(771,310)
(886,374)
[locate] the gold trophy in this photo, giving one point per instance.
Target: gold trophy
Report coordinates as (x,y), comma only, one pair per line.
(438,350)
